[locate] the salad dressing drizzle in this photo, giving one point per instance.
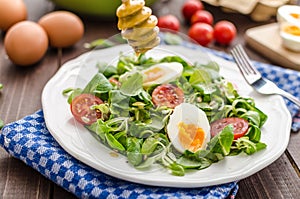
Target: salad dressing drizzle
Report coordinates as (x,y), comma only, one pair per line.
(138,26)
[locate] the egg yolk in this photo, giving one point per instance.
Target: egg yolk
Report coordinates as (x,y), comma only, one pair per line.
(191,136)
(295,15)
(294,30)
(153,74)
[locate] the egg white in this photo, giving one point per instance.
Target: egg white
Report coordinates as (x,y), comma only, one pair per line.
(284,14)
(188,114)
(290,41)
(162,73)
(285,19)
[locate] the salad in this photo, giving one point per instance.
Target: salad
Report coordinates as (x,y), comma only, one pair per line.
(167,112)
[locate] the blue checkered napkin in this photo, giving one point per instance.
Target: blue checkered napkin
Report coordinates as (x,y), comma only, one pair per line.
(29,140)
(286,79)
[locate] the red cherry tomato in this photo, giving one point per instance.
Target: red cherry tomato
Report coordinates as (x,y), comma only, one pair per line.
(190,7)
(202,33)
(202,16)
(224,32)
(240,126)
(168,22)
(81,108)
(167,95)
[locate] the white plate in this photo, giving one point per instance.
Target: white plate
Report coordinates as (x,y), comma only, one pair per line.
(79,142)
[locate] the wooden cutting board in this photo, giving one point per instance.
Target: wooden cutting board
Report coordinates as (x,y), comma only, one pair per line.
(266,40)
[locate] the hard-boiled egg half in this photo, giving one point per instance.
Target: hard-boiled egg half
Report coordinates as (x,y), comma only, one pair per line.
(288,17)
(288,13)
(290,35)
(161,73)
(188,128)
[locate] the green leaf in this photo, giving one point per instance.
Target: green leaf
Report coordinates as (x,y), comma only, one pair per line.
(158,121)
(71,93)
(146,97)
(119,103)
(146,163)
(106,70)
(249,147)
(100,128)
(140,130)
(249,105)
(174,59)
(134,154)
(260,146)
(252,116)
(149,145)
(133,85)
(74,94)
(113,142)
(213,157)
(205,89)
(221,143)
(226,138)
(98,84)
(189,163)
(254,133)
(200,76)
(126,63)
(121,137)
(262,115)
(176,169)
(230,91)
(67,91)
(211,68)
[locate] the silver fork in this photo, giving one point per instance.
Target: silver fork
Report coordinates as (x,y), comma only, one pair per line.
(254,78)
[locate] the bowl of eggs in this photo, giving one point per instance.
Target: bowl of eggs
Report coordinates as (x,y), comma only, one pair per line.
(288,17)
(99,8)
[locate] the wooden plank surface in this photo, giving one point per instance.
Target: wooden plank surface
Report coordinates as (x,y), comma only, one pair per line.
(22,96)
(279,180)
(266,40)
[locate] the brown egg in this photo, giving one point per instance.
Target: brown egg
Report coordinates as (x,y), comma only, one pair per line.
(11,12)
(64,28)
(26,43)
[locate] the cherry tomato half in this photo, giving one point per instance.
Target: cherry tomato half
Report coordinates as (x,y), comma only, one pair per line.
(202,33)
(190,7)
(240,126)
(167,95)
(81,108)
(169,22)
(202,16)
(224,32)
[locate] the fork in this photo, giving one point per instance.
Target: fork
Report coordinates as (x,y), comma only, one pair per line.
(254,77)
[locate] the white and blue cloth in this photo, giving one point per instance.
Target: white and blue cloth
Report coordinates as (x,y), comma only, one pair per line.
(29,140)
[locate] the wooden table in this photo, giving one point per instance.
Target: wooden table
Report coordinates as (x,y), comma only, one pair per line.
(22,96)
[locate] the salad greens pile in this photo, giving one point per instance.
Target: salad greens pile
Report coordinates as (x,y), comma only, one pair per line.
(133,126)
